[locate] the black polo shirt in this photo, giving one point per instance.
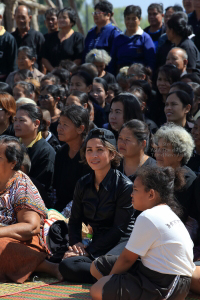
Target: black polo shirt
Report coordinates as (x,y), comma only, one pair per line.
(192,20)
(33,39)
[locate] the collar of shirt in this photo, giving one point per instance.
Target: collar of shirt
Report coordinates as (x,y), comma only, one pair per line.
(107,181)
(140,31)
(2,30)
(28,32)
(38,137)
(104,27)
(49,136)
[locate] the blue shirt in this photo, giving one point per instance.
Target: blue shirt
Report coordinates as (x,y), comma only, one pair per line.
(102,40)
(138,48)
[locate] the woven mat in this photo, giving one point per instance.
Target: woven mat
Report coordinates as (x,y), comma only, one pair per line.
(58,291)
(14,288)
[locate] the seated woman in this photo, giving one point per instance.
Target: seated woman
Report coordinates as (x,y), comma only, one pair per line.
(178,109)
(174,147)
(72,129)
(65,43)
(48,99)
(133,46)
(101,200)
(28,124)
(123,108)
(133,144)
(25,60)
(7,112)
(100,58)
(22,75)
(22,215)
(158,234)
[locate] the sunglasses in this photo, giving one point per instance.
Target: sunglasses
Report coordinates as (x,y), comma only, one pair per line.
(97,13)
(43,97)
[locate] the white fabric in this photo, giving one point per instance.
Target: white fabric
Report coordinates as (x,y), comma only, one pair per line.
(49,136)
(140,31)
(163,242)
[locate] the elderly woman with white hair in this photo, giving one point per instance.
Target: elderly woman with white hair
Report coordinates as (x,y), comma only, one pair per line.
(173,148)
(101,59)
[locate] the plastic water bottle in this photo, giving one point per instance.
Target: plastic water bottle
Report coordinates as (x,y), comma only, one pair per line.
(87,240)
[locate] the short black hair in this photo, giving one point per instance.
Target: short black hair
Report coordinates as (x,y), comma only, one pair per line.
(34,113)
(15,151)
(51,12)
(53,90)
(71,14)
(133,9)
(24,74)
(158,6)
(27,86)
(63,74)
(104,6)
(78,116)
(83,97)
(193,76)
(86,77)
(5,87)
(90,68)
(68,65)
(102,82)
(179,23)
(172,73)
(55,79)
(115,87)
(29,51)
(182,86)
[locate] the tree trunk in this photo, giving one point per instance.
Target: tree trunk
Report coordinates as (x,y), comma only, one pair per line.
(59,4)
(9,14)
(79,24)
(50,3)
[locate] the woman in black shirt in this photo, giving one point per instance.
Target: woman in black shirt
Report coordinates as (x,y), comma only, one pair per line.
(102,200)
(63,44)
(72,128)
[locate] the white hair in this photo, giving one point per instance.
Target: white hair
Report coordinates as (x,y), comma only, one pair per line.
(2,9)
(23,100)
(181,141)
(123,72)
(98,55)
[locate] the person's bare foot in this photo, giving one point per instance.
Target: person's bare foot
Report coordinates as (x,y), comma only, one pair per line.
(50,268)
(57,273)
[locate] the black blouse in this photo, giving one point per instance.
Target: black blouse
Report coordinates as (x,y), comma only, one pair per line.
(54,50)
(109,211)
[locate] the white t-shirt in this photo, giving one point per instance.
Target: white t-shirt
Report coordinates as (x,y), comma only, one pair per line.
(162,241)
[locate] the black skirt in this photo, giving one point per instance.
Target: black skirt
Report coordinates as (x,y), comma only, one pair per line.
(141,283)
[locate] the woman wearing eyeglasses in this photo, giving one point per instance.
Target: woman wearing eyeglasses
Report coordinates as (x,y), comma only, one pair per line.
(132,46)
(102,199)
(7,113)
(103,34)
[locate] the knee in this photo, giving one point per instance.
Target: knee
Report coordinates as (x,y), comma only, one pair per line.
(65,268)
(96,292)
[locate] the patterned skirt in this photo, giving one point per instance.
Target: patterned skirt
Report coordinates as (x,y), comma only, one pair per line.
(18,260)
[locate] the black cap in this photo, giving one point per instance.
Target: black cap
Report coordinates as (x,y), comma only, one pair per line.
(102,134)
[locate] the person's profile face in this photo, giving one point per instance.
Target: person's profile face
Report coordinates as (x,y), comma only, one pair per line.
(176,58)
(163,84)
(174,110)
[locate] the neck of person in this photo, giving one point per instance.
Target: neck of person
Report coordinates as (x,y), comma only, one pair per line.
(103,104)
(45,134)
(101,174)
(155,28)
(24,31)
(131,32)
(4,126)
(54,111)
(177,39)
(65,32)
(3,183)
(164,97)
(181,122)
(132,163)
(27,140)
(74,146)
(102,25)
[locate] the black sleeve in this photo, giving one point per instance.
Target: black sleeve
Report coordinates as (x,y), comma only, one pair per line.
(39,44)
(12,55)
(78,46)
(192,53)
(122,219)
(75,221)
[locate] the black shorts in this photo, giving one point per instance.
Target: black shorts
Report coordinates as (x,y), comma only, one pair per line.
(141,283)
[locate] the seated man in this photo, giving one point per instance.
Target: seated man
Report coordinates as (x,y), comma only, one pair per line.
(179,58)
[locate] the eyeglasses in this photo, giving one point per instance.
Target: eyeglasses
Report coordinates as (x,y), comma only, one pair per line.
(97,13)
(43,97)
(130,76)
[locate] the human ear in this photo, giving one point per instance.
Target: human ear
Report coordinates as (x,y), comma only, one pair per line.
(80,129)
(89,88)
(187,108)
(37,123)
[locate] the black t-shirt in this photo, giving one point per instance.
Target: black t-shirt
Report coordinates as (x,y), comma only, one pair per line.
(33,39)
(109,78)
(55,51)
(9,131)
(67,172)
(192,52)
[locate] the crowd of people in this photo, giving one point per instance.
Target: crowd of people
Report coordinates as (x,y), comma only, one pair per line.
(104,129)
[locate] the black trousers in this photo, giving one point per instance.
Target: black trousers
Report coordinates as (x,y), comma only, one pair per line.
(77,268)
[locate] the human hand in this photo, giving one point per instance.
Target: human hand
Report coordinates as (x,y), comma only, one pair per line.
(69,253)
(78,248)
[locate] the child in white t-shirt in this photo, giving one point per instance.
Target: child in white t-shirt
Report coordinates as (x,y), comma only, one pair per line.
(159,239)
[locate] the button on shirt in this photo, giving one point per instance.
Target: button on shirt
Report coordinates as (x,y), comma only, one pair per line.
(109,211)
(102,40)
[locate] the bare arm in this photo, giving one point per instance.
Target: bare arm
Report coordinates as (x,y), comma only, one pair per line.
(28,225)
(124,262)
(47,64)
